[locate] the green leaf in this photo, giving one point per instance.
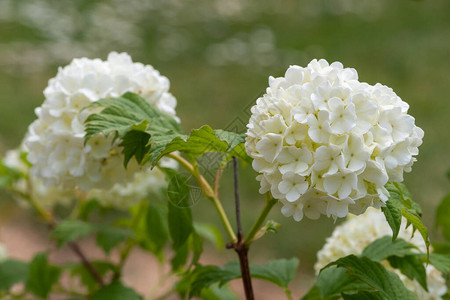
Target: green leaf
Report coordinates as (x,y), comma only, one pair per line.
(180,257)
(116,291)
(200,141)
(125,117)
(385,247)
(102,267)
(71,230)
(179,215)
(412,267)
(279,272)
(441,262)
(332,281)
(121,114)
(196,243)
(205,276)
(363,296)
(87,207)
(441,248)
(400,204)
(211,233)
(42,276)
(157,227)
(442,216)
(109,237)
(8,175)
(313,294)
(12,272)
(216,292)
(375,275)
(135,143)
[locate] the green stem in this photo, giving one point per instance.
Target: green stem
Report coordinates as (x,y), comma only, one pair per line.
(209,193)
(270,202)
(288,293)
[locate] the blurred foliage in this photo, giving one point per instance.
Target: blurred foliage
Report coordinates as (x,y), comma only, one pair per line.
(218,56)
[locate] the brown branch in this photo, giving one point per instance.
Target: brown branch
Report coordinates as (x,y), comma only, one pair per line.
(240,247)
(87,264)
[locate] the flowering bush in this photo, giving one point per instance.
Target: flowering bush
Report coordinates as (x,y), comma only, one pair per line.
(325,143)
(107,137)
(353,236)
(55,141)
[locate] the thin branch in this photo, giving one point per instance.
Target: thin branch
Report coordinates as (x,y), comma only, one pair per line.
(88,265)
(236,200)
(209,193)
(240,247)
(48,217)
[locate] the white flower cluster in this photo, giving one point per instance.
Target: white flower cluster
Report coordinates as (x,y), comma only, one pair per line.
(121,195)
(131,193)
(47,196)
(325,143)
(55,140)
(357,233)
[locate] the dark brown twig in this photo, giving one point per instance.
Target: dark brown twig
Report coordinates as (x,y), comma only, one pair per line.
(87,264)
(240,248)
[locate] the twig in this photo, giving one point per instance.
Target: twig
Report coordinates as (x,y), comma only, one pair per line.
(74,246)
(240,248)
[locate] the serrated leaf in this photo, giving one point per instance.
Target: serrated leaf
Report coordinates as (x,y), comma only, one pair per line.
(412,267)
(135,143)
(211,233)
(331,282)
(363,296)
(102,267)
(375,275)
(216,292)
(200,141)
(116,291)
(179,213)
(393,210)
(279,271)
(71,230)
(42,276)
(385,247)
(313,294)
(180,257)
(205,276)
(442,216)
(400,204)
(12,272)
(125,117)
(109,237)
(441,262)
(157,227)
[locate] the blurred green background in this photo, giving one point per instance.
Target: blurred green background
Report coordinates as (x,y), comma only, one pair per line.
(218,55)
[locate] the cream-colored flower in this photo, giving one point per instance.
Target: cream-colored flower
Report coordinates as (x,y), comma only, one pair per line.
(344,138)
(356,233)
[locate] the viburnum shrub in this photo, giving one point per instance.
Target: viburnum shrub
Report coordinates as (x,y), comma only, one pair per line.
(107,141)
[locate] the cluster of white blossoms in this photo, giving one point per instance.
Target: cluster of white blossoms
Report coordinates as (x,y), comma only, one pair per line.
(55,141)
(357,233)
(121,195)
(32,186)
(325,143)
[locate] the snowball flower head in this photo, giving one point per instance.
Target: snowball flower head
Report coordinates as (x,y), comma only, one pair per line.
(47,196)
(55,140)
(120,195)
(325,143)
(357,233)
